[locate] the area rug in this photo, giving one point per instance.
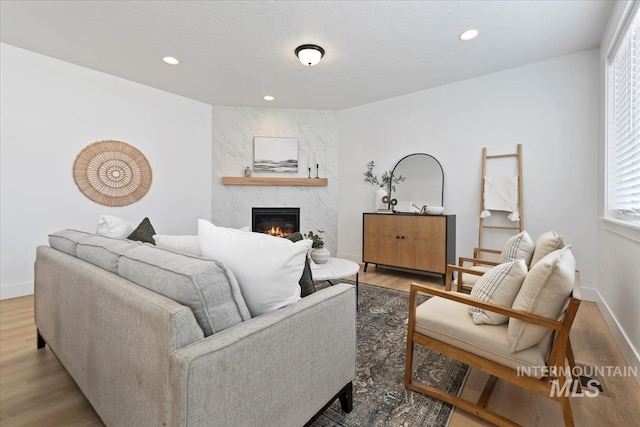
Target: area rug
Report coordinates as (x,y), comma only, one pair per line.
(379,396)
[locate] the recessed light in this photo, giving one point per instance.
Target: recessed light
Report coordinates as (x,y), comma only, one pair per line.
(268,98)
(170,60)
(468,35)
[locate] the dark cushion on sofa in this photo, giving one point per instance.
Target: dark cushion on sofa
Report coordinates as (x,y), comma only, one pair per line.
(144,232)
(307,286)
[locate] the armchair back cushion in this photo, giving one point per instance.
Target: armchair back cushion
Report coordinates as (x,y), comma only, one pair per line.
(519,246)
(545,244)
(544,292)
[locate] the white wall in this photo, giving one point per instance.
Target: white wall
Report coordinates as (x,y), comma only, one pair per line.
(317,132)
(50,111)
(618,286)
(551,107)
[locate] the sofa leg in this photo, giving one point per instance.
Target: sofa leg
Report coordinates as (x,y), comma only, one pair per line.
(41,342)
(346,398)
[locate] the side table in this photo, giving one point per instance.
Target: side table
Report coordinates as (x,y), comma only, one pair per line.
(335,268)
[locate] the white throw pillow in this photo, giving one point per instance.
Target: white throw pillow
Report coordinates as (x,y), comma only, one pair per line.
(545,244)
(500,285)
(519,246)
(544,292)
(267,268)
(113,226)
(189,245)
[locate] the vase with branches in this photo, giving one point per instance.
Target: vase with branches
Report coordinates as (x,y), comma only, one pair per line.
(387,181)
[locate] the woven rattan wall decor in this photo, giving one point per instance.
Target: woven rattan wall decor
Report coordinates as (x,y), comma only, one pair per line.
(112,173)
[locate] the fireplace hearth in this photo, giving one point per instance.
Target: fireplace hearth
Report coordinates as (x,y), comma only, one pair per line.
(275,221)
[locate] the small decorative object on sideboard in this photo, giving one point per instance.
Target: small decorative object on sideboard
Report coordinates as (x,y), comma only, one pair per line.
(319,254)
(247,171)
(387,181)
(432,210)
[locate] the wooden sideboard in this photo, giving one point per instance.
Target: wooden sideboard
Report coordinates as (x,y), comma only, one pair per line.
(416,242)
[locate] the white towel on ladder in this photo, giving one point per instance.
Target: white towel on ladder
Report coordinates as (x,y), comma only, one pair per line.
(501,194)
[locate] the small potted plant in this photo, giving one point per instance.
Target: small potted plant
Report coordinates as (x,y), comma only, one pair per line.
(387,181)
(319,254)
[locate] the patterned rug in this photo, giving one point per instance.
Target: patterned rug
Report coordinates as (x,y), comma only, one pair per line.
(379,396)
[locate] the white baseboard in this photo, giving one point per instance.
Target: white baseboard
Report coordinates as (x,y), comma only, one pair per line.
(629,353)
(589,294)
(357,258)
(16,290)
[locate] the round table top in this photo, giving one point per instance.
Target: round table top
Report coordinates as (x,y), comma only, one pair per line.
(335,268)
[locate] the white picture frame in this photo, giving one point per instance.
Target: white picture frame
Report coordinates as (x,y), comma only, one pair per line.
(275,155)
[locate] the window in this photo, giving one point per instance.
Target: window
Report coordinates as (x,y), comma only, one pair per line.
(623,123)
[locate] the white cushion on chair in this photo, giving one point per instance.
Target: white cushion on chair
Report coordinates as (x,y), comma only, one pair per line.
(449,321)
(519,246)
(544,292)
(545,244)
(500,285)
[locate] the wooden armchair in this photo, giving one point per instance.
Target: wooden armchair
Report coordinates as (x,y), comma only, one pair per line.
(443,324)
(518,246)
(478,266)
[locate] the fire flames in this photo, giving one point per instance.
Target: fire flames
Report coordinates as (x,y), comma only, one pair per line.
(276,231)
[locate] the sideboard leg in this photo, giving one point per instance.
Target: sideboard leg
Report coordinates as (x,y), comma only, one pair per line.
(366,264)
(346,398)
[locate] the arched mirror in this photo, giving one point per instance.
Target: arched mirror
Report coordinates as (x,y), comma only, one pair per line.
(423,183)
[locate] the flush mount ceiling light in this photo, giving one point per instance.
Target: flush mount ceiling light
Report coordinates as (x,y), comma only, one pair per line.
(170,60)
(468,35)
(268,98)
(309,54)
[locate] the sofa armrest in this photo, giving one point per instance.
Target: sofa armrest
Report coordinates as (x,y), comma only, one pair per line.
(276,369)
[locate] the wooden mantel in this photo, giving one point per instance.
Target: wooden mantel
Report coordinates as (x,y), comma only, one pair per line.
(241,180)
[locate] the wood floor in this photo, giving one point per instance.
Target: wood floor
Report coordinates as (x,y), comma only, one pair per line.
(35,390)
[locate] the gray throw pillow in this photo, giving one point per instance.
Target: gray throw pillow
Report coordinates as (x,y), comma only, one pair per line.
(144,232)
(306,281)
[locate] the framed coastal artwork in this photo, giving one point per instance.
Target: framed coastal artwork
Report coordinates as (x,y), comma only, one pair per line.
(275,154)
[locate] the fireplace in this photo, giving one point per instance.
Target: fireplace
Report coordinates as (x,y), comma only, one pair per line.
(275,221)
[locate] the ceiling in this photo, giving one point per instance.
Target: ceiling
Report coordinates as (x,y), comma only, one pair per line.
(235,52)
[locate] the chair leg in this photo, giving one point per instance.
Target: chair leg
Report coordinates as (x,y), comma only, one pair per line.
(572,365)
(566,411)
(462,404)
(488,390)
(408,368)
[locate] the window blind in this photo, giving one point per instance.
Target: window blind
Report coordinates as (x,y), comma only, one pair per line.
(624,126)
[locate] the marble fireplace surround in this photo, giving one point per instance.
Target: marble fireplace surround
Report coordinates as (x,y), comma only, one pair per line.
(233,130)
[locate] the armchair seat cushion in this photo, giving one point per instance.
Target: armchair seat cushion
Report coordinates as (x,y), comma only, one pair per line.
(469,280)
(449,321)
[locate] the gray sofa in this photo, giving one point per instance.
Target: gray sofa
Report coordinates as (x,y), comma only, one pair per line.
(144,359)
